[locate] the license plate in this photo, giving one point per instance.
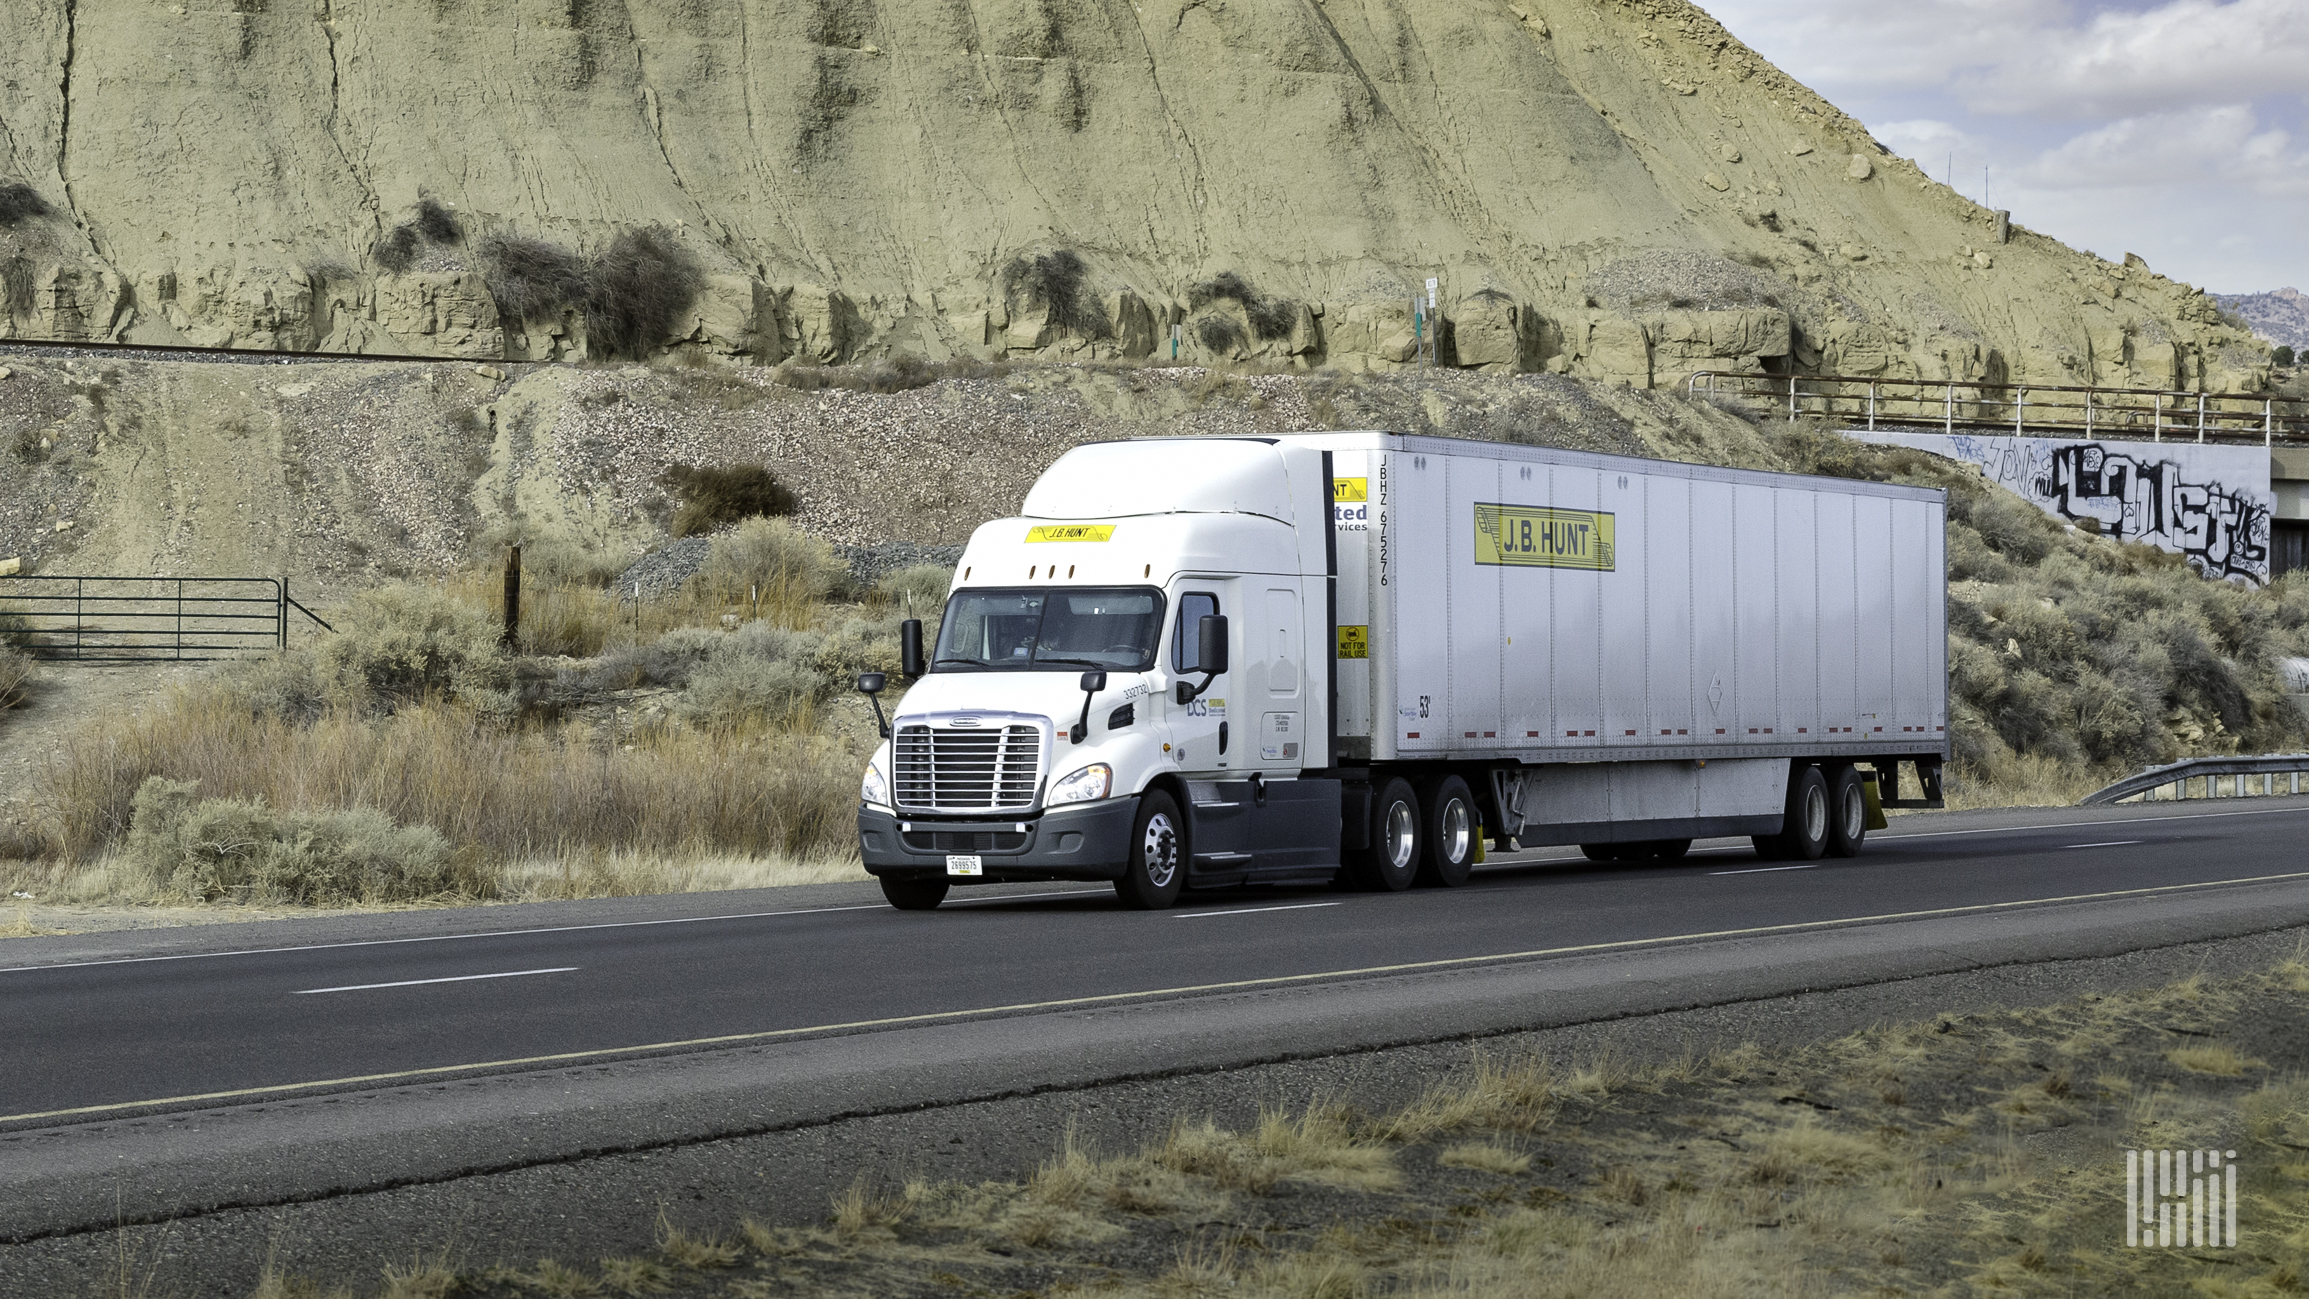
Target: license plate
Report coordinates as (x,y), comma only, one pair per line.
(964,864)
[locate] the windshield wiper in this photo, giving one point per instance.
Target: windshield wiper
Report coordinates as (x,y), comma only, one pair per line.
(1079,663)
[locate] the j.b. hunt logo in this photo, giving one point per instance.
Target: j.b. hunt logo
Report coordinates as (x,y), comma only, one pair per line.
(2181,1197)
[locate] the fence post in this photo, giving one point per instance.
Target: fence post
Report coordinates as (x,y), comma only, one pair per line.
(79,622)
(512,596)
(1791,399)
(2088,412)
(2268,425)
(180,620)
(1872,405)
(2019,410)
(1948,415)
(284,625)
(2200,417)
(2159,426)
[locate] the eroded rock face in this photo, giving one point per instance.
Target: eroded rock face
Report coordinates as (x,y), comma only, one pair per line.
(853,182)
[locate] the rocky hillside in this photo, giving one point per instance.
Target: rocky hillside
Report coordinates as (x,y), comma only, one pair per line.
(1612,189)
(2279,317)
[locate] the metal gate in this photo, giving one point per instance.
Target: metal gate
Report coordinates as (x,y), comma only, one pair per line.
(147,619)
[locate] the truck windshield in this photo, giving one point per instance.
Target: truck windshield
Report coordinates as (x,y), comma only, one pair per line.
(1051,629)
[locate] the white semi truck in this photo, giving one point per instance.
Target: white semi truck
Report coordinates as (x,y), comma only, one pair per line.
(1198,662)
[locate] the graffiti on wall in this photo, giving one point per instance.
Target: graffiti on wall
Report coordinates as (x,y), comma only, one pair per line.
(2210,503)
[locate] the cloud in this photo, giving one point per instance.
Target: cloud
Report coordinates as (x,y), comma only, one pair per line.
(2222,145)
(2037,57)
(2175,55)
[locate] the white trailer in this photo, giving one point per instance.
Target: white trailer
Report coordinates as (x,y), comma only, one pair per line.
(1197,662)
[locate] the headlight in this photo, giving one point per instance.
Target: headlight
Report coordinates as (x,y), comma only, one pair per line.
(875,789)
(1090,784)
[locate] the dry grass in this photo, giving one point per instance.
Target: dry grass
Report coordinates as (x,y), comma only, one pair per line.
(1485,1157)
(2217,1058)
(15,676)
(533,775)
(509,795)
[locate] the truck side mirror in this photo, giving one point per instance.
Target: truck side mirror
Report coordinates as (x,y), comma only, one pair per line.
(870,684)
(1092,682)
(1211,644)
(1210,657)
(910,648)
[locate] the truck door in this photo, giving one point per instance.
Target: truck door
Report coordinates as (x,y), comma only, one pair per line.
(1279,646)
(1203,734)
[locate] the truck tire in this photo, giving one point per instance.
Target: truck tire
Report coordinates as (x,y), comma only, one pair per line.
(1392,860)
(1447,830)
(1666,849)
(1804,830)
(1847,812)
(1158,855)
(914,895)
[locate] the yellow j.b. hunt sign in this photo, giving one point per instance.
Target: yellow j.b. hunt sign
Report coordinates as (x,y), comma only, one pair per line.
(1070,532)
(1532,536)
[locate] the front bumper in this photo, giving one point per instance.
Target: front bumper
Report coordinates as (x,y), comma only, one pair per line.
(1089,842)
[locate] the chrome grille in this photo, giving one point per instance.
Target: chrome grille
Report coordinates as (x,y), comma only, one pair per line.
(991,770)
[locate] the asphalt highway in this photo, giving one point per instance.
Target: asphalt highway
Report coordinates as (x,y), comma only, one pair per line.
(92,1040)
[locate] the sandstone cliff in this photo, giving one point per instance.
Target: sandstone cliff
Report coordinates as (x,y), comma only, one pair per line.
(1615,189)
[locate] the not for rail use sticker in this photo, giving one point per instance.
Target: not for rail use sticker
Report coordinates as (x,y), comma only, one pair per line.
(1070,532)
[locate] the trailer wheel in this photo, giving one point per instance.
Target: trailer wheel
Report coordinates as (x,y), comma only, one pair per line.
(1848,812)
(1158,859)
(1804,830)
(1392,860)
(914,895)
(1667,849)
(1447,828)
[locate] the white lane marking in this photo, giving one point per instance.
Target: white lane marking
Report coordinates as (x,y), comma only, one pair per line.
(2113,843)
(1759,870)
(1115,998)
(1250,911)
(413,983)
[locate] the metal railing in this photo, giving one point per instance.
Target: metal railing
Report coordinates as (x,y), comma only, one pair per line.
(2046,410)
(147,619)
(2266,767)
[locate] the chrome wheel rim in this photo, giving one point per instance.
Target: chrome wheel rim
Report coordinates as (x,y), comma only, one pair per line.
(1815,814)
(1458,831)
(1402,835)
(1855,813)
(1161,850)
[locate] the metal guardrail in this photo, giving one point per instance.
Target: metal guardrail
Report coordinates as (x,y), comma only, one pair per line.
(2052,410)
(146,619)
(2267,766)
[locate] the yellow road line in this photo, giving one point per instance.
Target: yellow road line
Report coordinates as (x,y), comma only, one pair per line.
(1405,967)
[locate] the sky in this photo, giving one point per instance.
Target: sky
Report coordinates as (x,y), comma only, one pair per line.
(2178,131)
